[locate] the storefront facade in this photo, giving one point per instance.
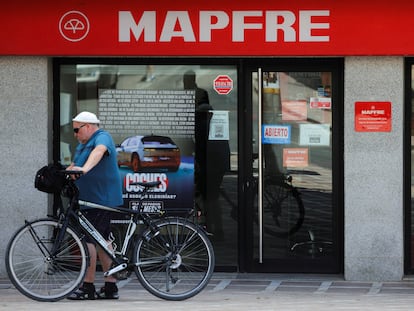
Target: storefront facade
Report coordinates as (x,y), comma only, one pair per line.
(295,89)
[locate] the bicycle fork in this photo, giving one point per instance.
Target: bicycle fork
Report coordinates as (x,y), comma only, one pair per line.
(43,249)
(49,254)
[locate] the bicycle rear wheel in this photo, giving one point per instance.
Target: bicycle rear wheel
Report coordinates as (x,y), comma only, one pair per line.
(37,272)
(176,261)
(283,210)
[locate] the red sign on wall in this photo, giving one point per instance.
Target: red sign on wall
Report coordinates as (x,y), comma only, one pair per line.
(373,116)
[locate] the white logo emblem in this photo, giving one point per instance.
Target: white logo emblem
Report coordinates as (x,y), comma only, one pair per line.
(74,26)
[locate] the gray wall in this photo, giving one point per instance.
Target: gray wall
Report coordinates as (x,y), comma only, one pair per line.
(374,173)
(25,118)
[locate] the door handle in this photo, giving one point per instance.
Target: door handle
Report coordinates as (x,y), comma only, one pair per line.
(260,163)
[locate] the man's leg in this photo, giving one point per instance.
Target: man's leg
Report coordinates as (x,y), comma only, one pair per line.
(87,291)
(106,262)
(90,272)
(110,290)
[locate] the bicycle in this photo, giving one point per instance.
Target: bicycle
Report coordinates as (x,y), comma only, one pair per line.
(283,209)
(46,259)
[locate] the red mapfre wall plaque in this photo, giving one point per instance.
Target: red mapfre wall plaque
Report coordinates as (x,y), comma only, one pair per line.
(373,116)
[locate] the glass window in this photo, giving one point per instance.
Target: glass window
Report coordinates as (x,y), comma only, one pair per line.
(190,105)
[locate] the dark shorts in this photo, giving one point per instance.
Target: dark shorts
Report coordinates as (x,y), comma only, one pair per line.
(101,220)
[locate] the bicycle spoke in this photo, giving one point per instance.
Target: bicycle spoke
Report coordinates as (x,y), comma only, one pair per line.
(36,272)
(188,265)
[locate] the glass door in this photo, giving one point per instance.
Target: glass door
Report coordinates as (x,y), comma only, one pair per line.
(294,208)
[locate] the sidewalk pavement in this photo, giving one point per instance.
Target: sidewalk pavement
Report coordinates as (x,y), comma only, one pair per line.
(238,292)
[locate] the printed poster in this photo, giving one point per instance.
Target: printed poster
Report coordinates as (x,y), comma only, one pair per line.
(314,134)
(219,125)
(294,110)
(153,131)
(295,157)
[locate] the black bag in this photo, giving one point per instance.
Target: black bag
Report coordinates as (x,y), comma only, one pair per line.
(48,180)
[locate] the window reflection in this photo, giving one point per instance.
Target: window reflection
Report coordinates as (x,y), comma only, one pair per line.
(83,87)
(297,141)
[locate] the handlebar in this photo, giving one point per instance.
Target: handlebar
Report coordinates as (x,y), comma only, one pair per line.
(70,172)
(73,173)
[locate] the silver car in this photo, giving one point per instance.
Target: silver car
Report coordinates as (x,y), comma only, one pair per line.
(149,153)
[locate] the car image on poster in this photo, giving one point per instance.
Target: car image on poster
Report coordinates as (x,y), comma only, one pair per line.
(142,153)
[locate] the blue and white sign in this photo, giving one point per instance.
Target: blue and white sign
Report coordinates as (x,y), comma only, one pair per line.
(276,134)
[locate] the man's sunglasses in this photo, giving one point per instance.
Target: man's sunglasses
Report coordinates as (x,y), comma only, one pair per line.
(76,129)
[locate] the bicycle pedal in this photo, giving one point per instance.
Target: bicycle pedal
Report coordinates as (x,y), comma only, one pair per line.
(123,275)
(116,269)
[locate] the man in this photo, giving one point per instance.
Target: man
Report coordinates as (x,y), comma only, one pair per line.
(100,183)
(189,81)
(212,158)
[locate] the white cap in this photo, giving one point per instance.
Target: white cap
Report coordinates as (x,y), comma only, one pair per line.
(86,117)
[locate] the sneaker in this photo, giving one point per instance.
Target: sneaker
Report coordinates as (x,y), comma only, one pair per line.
(108,294)
(83,294)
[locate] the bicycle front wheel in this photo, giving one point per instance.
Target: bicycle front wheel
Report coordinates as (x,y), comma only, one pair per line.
(41,270)
(175,261)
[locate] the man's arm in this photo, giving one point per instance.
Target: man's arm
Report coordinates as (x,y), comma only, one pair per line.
(96,155)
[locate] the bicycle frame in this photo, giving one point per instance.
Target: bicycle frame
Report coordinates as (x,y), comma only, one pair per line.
(120,264)
(97,236)
(74,212)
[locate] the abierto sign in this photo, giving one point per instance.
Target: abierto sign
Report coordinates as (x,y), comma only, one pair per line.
(206,28)
(276,134)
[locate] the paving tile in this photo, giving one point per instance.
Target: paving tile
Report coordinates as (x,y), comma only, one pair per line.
(300,283)
(393,291)
(351,284)
(347,290)
(301,289)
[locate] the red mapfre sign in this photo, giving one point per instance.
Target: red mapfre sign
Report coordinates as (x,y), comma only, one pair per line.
(373,116)
(206,28)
